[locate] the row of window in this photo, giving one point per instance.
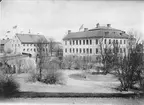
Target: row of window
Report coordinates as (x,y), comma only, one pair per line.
(88,50)
(16,45)
(34,49)
(33,45)
(89,42)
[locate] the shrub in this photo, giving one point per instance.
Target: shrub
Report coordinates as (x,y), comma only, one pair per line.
(8,86)
(53,77)
(51,74)
(33,77)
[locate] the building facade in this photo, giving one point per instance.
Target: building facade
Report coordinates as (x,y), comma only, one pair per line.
(26,44)
(90,41)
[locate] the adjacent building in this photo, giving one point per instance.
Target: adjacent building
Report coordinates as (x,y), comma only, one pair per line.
(26,44)
(2,44)
(89,41)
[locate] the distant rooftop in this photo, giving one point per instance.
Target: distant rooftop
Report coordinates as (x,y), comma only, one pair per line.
(97,32)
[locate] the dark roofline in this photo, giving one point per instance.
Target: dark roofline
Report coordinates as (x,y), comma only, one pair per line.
(95,37)
(100,28)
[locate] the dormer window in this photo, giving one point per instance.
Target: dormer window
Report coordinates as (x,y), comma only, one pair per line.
(106,33)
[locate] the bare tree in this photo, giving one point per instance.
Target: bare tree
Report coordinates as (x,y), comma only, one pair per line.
(6,68)
(106,52)
(41,55)
(52,44)
(129,68)
(19,64)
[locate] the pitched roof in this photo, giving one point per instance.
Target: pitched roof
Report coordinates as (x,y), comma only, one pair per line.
(31,38)
(4,41)
(97,33)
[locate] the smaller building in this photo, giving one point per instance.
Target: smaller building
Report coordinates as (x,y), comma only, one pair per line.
(27,44)
(2,44)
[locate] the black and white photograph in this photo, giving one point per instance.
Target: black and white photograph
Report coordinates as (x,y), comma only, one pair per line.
(72,52)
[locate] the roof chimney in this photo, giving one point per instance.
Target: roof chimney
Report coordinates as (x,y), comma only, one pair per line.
(97,25)
(85,29)
(108,25)
(69,31)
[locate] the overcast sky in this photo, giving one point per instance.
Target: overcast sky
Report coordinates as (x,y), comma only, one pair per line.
(54,18)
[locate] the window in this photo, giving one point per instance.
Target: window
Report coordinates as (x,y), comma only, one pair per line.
(43,49)
(23,49)
(96,50)
(34,50)
(83,50)
(83,42)
(96,41)
(70,42)
(90,51)
(80,42)
(23,44)
(106,33)
(105,41)
(87,50)
(77,50)
(105,50)
(87,42)
(90,42)
(124,41)
(70,50)
(120,41)
(27,44)
(80,50)
(124,50)
(65,42)
(73,42)
(66,50)
(120,50)
(76,42)
(27,49)
(31,49)
(109,41)
(116,41)
(31,44)
(73,50)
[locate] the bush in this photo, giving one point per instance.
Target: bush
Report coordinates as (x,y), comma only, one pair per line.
(53,77)
(33,77)
(8,86)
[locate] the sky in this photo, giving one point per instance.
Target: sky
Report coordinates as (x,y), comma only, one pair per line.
(54,18)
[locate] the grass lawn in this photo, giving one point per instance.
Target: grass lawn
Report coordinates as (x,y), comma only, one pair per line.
(92,84)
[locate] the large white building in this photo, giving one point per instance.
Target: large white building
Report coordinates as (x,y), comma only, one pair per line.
(26,44)
(88,42)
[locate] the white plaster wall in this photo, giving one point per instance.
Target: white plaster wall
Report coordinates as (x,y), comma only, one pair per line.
(93,46)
